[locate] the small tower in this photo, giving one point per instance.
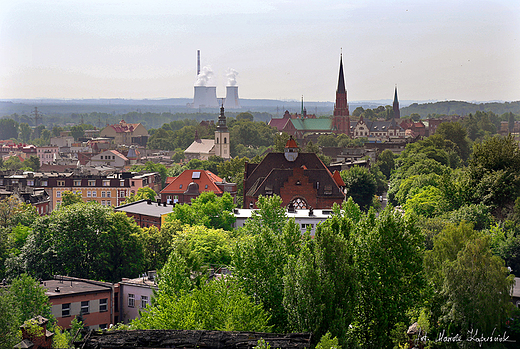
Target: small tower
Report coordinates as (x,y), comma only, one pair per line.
(397,112)
(222,136)
(291,149)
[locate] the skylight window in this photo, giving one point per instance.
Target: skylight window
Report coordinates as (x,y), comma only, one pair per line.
(195,175)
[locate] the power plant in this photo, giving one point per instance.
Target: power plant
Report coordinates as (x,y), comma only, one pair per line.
(231,101)
(205,96)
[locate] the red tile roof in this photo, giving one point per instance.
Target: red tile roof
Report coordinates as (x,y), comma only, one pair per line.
(180,184)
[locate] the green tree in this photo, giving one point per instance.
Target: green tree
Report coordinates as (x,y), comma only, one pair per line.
(13,163)
(260,256)
(20,301)
(70,198)
(179,155)
(32,163)
(219,305)
(207,209)
(25,132)
(8,129)
(157,244)
(360,185)
(320,282)
(86,240)
(389,262)
(144,193)
(454,132)
(280,140)
(493,175)
(471,286)
(386,162)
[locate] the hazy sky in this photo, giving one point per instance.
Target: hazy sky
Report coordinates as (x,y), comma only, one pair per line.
(432,50)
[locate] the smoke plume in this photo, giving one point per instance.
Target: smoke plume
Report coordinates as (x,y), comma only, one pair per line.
(205,75)
(231,77)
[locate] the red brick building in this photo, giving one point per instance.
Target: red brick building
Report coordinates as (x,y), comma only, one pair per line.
(298,178)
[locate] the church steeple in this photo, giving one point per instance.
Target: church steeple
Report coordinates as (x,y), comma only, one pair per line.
(222,136)
(341,78)
(397,112)
(341,120)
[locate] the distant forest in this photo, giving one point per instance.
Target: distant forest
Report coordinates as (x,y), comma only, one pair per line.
(459,108)
(153,117)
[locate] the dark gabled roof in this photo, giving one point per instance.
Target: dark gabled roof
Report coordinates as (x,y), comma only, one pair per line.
(274,170)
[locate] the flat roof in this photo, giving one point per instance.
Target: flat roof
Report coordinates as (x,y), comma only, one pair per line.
(70,286)
(304,213)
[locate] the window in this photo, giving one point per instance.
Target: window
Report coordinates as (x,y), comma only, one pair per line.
(94,194)
(103,304)
(89,194)
(92,183)
(144,301)
(131,300)
(44,183)
(180,186)
(299,203)
(84,307)
(121,183)
(77,182)
(61,183)
(225,140)
(103,194)
(30,182)
(106,183)
(65,310)
(109,194)
(58,194)
(305,226)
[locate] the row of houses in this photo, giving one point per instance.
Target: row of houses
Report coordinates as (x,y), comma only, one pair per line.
(44,189)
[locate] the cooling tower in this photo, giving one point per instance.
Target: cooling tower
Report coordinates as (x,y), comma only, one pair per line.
(205,97)
(231,98)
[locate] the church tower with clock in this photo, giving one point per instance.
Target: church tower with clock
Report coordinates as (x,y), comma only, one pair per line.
(222,136)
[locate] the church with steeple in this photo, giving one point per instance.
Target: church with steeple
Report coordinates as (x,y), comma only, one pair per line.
(303,128)
(341,115)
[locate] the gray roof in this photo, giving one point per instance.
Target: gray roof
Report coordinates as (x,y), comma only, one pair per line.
(65,285)
(143,207)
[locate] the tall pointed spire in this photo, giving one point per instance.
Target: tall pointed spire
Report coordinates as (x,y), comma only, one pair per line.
(341,79)
(341,120)
(397,112)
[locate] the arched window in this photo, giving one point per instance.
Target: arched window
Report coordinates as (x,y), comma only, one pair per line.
(225,141)
(217,140)
(299,203)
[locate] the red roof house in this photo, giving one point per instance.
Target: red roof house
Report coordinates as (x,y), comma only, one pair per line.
(189,184)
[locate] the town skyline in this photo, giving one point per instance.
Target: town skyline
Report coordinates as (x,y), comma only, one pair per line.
(432,51)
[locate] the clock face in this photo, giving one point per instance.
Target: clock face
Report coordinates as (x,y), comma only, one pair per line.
(291,156)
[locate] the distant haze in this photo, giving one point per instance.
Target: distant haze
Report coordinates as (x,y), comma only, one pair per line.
(432,50)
